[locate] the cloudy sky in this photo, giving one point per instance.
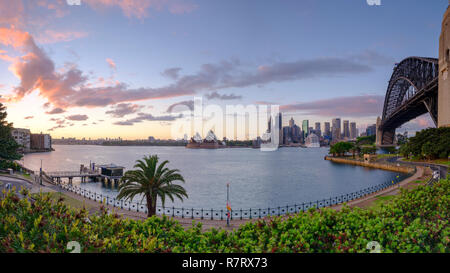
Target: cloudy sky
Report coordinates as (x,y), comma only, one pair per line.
(110,68)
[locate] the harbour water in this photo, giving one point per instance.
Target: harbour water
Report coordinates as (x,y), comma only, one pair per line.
(257,179)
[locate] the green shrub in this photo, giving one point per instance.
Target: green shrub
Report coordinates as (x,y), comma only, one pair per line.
(416,221)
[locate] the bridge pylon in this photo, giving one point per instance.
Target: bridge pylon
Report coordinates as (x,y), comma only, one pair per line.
(444,75)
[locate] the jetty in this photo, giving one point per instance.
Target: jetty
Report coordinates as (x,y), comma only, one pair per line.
(108,173)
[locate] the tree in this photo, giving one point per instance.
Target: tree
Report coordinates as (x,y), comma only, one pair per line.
(431,144)
(404,150)
(366,140)
(8,146)
(341,148)
(151,181)
(368,149)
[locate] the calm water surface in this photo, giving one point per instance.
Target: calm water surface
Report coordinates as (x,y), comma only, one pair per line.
(257,179)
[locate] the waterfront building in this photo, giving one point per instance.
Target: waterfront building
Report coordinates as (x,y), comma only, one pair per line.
(305,128)
(287,133)
(346,132)
(22,137)
(312,141)
(40,142)
(353,130)
(296,134)
(210,142)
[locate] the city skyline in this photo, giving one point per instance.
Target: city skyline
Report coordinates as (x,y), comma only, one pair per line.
(75,78)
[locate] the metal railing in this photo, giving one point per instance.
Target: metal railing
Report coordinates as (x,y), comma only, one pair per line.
(215,214)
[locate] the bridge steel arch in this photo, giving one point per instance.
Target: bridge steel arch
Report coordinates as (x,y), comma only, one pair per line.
(412,91)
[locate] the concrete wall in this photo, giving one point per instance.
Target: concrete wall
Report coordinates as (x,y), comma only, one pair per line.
(387,167)
(444,73)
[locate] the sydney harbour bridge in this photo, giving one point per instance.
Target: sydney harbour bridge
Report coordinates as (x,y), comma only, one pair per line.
(417,86)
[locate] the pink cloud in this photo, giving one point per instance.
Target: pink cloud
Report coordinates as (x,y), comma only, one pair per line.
(52,36)
(354,106)
(11,12)
(111,63)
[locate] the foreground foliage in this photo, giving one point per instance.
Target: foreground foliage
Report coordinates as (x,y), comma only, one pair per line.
(416,221)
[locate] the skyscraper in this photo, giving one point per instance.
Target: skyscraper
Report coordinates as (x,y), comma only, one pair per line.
(305,128)
(317,130)
(371,130)
(353,131)
(346,129)
(291,122)
(279,125)
(336,130)
(327,130)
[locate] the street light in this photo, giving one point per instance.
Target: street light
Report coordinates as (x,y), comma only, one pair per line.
(40,174)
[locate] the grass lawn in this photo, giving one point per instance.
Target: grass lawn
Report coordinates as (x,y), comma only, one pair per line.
(72,202)
(376,205)
(445,162)
(379,156)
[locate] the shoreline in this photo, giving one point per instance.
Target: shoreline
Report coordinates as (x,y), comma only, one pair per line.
(373,165)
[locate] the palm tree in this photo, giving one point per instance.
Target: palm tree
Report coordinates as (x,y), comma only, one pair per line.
(151,181)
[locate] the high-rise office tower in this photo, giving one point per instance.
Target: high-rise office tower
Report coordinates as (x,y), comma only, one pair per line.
(336,131)
(327,129)
(317,129)
(353,132)
(291,122)
(371,130)
(305,128)
(346,129)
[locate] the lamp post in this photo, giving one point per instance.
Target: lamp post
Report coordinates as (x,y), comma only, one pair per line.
(228,206)
(40,174)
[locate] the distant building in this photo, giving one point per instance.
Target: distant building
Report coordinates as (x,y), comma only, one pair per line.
(287,132)
(346,129)
(336,129)
(22,137)
(327,130)
(312,141)
(371,130)
(291,122)
(305,128)
(152,139)
(353,130)
(291,133)
(317,129)
(41,142)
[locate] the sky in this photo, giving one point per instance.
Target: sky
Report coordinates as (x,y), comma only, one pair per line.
(111,68)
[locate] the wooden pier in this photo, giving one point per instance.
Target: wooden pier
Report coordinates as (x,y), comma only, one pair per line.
(70,175)
(107,173)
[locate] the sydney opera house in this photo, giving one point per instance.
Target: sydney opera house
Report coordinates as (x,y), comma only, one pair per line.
(209,142)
